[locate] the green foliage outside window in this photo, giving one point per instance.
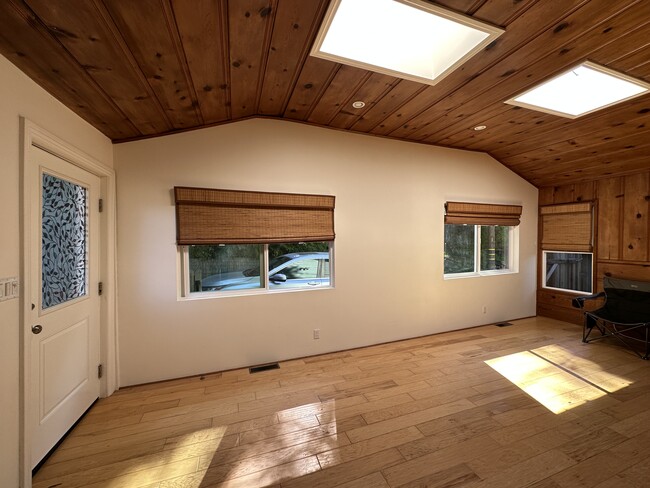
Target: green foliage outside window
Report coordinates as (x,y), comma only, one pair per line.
(459,248)
(460,251)
(495,243)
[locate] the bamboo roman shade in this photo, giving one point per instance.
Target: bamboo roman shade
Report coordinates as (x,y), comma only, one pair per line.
(567,227)
(207,216)
(482,214)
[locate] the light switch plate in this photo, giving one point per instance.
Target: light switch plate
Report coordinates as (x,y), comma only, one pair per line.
(8,288)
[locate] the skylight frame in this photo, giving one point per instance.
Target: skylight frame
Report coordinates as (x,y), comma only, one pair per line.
(491,31)
(589,64)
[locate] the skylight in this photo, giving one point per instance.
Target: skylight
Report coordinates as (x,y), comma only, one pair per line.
(581,90)
(409,39)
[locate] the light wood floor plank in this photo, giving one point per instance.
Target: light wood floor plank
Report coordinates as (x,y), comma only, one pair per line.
(429,411)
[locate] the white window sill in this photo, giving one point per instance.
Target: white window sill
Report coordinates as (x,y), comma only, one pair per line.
(565,290)
(481,274)
(207,295)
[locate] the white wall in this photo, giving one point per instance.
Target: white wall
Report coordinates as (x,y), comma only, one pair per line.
(388,252)
(21,96)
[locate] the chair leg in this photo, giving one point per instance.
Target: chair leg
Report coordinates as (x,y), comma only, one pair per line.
(585,331)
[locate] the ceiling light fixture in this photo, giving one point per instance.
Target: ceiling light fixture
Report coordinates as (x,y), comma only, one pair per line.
(409,39)
(581,90)
(480,127)
(358,104)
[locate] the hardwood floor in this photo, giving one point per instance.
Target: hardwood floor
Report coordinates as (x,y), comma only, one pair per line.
(426,412)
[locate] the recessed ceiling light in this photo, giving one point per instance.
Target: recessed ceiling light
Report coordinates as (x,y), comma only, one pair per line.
(581,90)
(480,127)
(410,39)
(358,104)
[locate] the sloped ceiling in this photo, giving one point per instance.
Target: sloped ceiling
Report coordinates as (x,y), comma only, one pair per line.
(141,68)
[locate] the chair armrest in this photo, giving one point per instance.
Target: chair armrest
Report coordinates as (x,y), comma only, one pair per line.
(579,302)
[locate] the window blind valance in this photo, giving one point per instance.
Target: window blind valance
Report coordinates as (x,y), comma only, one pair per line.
(212,216)
(567,227)
(482,214)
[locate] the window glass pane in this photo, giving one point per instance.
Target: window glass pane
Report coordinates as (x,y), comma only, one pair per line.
(495,244)
(569,271)
(299,265)
(225,267)
(303,268)
(64,241)
(459,248)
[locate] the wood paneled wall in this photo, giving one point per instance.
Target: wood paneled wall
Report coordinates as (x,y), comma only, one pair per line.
(622,240)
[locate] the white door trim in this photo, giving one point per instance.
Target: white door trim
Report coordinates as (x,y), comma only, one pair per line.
(34,136)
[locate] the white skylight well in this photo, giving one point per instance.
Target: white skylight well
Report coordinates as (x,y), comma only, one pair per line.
(409,39)
(581,90)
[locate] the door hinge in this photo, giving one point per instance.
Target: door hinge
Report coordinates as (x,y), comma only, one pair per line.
(100,371)
(100,288)
(101,205)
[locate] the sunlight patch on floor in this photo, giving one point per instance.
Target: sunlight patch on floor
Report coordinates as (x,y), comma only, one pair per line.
(589,370)
(550,385)
(175,453)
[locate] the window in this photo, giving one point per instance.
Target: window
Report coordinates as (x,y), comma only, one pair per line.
(228,268)
(251,242)
(213,268)
(480,238)
(568,271)
(472,250)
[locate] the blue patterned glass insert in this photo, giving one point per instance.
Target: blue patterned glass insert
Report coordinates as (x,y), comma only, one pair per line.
(64,229)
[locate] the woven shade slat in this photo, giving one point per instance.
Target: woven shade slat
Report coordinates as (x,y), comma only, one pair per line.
(482,214)
(567,227)
(212,216)
(206,196)
(566,208)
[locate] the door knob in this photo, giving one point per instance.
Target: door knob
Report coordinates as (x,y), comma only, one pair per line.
(36,329)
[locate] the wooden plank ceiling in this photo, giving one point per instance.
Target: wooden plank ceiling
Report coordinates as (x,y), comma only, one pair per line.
(149,67)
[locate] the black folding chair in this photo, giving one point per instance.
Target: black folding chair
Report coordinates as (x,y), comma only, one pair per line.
(626,309)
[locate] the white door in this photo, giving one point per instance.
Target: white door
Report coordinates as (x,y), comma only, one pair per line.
(64,317)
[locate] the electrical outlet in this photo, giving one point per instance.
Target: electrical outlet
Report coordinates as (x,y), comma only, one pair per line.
(316,333)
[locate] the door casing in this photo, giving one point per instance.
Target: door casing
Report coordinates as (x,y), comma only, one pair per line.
(34,136)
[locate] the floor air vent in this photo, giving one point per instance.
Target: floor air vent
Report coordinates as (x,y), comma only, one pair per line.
(263,367)
(503,324)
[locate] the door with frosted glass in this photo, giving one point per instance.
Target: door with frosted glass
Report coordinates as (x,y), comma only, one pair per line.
(64,319)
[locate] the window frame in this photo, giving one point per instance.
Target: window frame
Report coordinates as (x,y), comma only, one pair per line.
(265,288)
(513,255)
(566,290)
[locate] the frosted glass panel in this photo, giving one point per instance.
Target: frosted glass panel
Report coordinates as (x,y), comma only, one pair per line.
(64,241)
